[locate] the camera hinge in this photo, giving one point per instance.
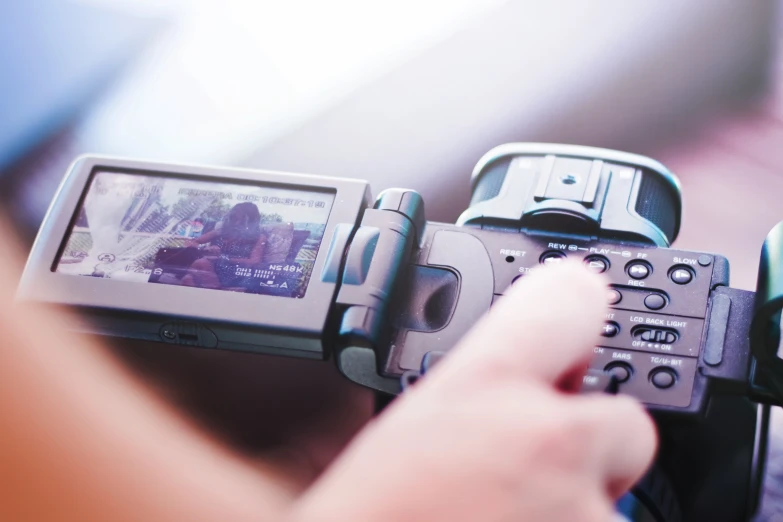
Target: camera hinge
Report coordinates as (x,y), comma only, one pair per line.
(369,272)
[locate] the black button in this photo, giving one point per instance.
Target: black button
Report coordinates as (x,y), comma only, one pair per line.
(552,257)
(408,379)
(681,276)
(662,378)
(610,330)
(654,301)
(620,371)
(705,260)
(613,296)
(638,269)
(597,264)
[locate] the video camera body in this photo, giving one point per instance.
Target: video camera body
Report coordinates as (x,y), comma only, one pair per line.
(308,266)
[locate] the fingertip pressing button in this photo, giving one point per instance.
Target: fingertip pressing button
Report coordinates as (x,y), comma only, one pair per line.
(655,301)
(552,257)
(597,264)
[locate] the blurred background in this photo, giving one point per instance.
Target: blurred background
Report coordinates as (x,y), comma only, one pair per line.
(405,93)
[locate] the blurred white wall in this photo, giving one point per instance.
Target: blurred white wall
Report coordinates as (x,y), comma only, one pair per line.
(232,75)
(627,75)
(412,93)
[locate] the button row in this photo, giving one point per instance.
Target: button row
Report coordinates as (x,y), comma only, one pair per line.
(598,264)
(661,377)
(653,301)
(680,274)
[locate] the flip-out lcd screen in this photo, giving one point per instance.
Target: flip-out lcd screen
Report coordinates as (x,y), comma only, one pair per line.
(238,237)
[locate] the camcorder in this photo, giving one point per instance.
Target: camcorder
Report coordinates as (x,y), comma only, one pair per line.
(309,266)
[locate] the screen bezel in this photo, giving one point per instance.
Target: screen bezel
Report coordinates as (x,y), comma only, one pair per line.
(301,316)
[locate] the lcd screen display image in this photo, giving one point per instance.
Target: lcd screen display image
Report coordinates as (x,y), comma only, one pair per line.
(237,237)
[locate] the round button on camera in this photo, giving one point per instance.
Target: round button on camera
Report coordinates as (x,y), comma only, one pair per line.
(681,275)
(613,296)
(597,264)
(610,329)
(552,257)
(638,269)
(662,378)
(655,301)
(619,370)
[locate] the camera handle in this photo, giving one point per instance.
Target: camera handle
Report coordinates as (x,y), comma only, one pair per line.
(765,335)
(368,262)
(742,350)
(378,275)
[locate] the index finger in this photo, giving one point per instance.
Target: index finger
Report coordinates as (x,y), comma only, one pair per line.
(545,325)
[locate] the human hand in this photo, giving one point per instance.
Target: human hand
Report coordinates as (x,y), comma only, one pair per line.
(496,431)
(85,440)
(82,440)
